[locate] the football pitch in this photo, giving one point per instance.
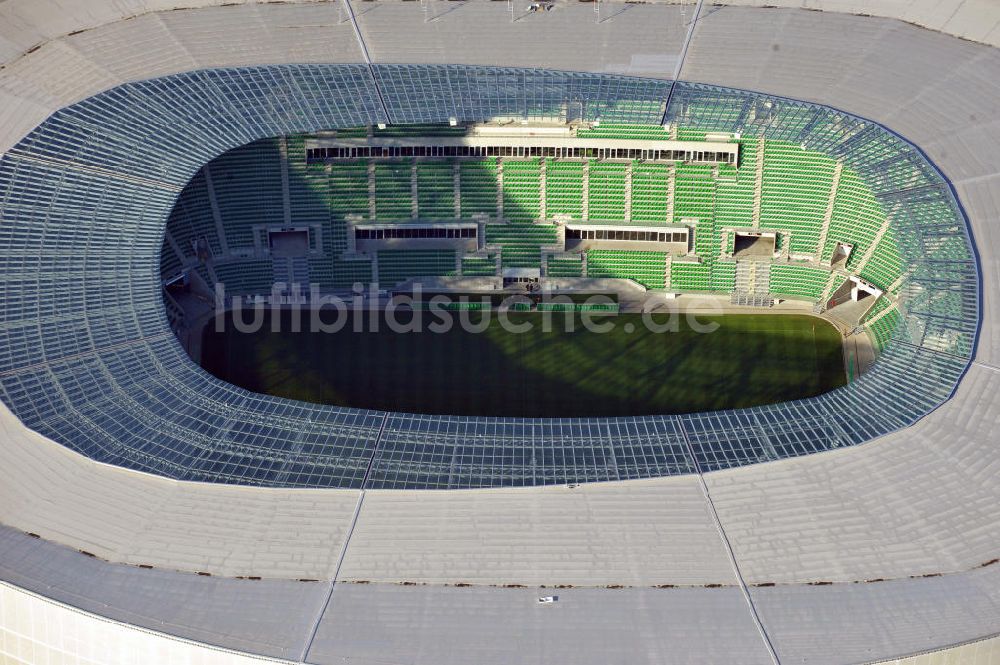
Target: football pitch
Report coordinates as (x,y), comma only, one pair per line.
(750,359)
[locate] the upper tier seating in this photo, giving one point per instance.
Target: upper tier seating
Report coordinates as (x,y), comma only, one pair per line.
(564,188)
(617,131)
(795,193)
(607,191)
(522,190)
(857,218)
(394,190)
(479,187)
(435,190)
(247,183)
(734,190)
(192,218)
(649,193)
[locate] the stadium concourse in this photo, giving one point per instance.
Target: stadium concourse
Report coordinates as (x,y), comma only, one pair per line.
(797,534)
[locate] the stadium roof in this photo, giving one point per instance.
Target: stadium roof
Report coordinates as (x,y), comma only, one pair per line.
(915,508)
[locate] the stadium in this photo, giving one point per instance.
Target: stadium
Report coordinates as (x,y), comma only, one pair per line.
(808,164)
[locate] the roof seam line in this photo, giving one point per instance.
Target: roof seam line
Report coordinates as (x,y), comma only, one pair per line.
(347,540)
(93,170)
(976,178)
(680,59)
(368,59)
(931,349)
(729,550)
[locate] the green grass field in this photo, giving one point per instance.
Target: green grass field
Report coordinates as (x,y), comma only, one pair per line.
(749,360)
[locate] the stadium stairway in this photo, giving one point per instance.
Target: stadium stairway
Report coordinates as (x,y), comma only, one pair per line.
(414,192)
(475,265)
(291,270)
(628,191)
(758,184)
(867,256)
(371,190)
(281,267)
(762,279)
(824,231)
(753,286)
(500,197)
(286,196)
(563,265)
(671,190)
(542,182)
(213,203)
(300,272)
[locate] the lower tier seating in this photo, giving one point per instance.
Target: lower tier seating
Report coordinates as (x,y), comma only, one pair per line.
(565,266)
(479,266)
(521,243)
(398,265)
(797,281)
(646,268)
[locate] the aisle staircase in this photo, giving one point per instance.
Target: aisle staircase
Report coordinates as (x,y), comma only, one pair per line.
(831,285)
(213,203)
(456,174)
(828,215)
(866,257)
(291,270)
(671,189)
(542,183)
(371,190)
(500,189)
(286,197)
(628,192)
(758,184)
(753,284)
(414,197)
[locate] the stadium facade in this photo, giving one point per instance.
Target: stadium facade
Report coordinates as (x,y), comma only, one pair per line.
(149,503)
